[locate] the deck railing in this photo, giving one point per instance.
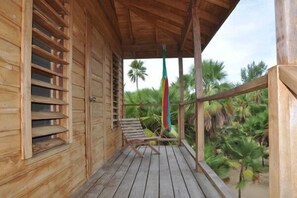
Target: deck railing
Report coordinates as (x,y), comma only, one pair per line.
(249,87)
(281,82)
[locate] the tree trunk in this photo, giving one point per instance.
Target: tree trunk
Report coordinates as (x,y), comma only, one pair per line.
(240,179)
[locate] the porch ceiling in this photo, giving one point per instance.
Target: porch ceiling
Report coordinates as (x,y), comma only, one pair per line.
(144,25)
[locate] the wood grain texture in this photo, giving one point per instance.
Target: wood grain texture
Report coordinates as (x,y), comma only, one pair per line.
(9,97)
(285,19)
(198,86)
(26,136)
(287,75)
(10,31)
(282,136)
(193,187)
(12,12)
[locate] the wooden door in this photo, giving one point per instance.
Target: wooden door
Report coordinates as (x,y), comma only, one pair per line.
(95,96)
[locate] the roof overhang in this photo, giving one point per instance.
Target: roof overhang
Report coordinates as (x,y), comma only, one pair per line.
(145,25)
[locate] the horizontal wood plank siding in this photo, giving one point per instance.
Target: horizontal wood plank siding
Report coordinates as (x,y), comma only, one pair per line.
(60,171)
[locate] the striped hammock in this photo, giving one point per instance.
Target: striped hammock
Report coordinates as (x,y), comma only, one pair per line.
(166,120)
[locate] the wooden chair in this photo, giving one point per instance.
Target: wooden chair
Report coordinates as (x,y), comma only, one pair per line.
(134,135)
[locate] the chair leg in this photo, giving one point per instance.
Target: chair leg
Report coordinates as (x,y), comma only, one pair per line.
(136,151)
(156,151)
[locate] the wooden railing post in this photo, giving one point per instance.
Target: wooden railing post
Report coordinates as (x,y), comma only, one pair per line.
(198,87)
(282,137)
(181,113)
(283,106)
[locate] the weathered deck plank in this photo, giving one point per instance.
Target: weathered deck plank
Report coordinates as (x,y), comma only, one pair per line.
(91,182)
(127,182)
(100,184)
(152,185)
(166,189)
(111,187)
(190,181)
(206,186)
(138,187)
(179,187)
(170,174)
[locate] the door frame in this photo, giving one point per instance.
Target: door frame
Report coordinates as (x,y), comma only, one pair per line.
(88,147)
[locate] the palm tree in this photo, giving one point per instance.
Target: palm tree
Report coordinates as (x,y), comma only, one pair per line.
(247,152)
(137,71)
(217,113)
(213,74)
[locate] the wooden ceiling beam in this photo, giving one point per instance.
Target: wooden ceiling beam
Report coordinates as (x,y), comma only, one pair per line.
(151,19)
(130,27)
(188,24)
(147,47)
(159,14)
(220,3)
(185,32)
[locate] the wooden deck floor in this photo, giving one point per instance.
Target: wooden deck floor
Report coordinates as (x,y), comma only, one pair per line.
(170,174)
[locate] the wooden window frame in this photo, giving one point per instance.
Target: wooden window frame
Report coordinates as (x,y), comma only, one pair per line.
(27,49)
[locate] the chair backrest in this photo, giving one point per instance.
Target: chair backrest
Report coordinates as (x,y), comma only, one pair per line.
(132,128)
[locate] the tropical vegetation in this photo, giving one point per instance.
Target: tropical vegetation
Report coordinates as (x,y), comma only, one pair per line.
(235,128)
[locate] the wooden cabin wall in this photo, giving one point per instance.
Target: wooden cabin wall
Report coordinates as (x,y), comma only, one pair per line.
(58,172)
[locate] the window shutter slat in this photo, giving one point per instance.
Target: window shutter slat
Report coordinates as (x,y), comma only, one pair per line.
(47,100)
(41,52)
(48,26)
(41,146)
(58,6)
(47,72)
(47,115)
(40,36)
(40,83)
(47,130)
(51,13)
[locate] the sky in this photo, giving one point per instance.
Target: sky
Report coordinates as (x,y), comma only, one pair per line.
(247,35)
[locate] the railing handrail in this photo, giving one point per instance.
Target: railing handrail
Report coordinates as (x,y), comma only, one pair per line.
(255,85)
(147,105)
(141,104)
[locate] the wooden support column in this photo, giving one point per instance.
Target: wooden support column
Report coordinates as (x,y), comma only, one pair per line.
(283,105)
(282,136)
(181,111)
(198,87)
(286,20)
(26,135)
